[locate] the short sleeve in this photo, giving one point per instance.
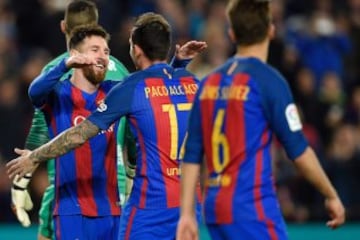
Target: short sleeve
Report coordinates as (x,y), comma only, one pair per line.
(282,113)
(116,104)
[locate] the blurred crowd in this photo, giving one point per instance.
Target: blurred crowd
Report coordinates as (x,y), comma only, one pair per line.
(316,47)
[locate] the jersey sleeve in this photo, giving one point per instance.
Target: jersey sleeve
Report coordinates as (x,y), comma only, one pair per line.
(194,149)
(177,63)
(116,105)
(38,133)
(41,87)
(282,114)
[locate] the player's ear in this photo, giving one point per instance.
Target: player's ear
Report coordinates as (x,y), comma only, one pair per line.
(231,35)
(271,32)
(138,52)
(73,52)
(63,26)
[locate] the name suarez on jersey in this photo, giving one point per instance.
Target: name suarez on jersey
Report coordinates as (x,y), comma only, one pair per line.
(239,92)
(171,90)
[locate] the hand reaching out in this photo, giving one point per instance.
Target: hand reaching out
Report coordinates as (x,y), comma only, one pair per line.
(190,49)
(21,165)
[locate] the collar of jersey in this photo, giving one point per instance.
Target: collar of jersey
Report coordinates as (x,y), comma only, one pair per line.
(158,65)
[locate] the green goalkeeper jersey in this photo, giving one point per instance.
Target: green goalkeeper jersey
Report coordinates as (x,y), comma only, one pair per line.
(38,133)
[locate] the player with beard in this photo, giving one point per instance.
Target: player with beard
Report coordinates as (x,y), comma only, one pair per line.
(156,100)
(86,201)
(77,13)
(86,191)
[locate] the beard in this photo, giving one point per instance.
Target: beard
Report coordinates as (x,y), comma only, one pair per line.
(93,76)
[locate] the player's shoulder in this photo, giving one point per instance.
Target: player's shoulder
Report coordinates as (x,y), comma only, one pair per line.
(183,73)
(262,73)
(268,79)
(133,79)
(55,61)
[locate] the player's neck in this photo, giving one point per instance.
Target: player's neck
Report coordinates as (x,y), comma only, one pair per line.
(79,81)
(146,63)
(259,51)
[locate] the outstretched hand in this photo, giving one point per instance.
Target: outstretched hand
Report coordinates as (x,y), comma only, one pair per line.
(21,165)
(190,49)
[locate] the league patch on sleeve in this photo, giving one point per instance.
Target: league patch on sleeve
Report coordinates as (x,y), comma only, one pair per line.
(293,118)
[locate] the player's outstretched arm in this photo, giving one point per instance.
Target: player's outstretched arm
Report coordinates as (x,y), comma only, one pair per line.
(308,164)
(68,140)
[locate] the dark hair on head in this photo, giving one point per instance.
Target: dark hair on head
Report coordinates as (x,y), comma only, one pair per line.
(79,33)
(250,20)
(80,12)
(152,33)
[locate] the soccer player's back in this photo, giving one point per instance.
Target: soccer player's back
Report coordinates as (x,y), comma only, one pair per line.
(238,116)
(161,100)
(156,101)
(237,109)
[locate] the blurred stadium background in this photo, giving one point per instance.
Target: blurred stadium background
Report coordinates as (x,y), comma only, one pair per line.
(317,49)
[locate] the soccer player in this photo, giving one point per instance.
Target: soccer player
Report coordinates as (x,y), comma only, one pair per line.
(236,111)
(78,12)
(86,187)
(156,100)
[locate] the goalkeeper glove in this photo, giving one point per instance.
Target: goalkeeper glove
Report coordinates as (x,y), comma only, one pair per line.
(21,201)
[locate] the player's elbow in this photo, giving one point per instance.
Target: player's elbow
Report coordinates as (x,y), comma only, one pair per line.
(34,94)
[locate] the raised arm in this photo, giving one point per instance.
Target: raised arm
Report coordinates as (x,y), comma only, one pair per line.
(41,87)
(186,52)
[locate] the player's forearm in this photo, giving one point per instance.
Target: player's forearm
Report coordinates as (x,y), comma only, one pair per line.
(189,179)
(66,141)
(45,82)
(310,168)
(38,133)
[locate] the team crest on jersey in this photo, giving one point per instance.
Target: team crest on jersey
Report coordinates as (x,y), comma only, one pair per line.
(102,106)
(293,118)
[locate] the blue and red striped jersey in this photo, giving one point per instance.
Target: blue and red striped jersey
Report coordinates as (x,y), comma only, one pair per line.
(157,102)
(236,111)
(85,178)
